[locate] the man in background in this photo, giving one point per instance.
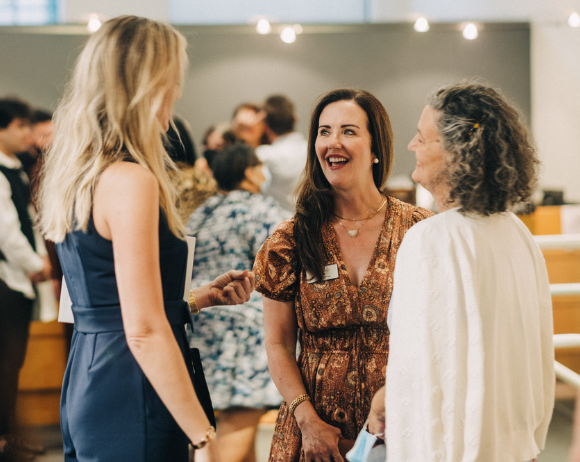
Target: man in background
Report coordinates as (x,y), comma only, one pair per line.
(21,265)
(41,137)
(285,156)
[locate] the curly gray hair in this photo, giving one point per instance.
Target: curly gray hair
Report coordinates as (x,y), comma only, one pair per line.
(493,161)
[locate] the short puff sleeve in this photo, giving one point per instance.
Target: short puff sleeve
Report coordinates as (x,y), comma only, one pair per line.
(276,265)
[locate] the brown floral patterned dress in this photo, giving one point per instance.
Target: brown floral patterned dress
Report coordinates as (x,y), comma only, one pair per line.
(343,328)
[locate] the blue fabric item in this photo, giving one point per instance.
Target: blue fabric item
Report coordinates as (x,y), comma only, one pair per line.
(362,447)
(109,410)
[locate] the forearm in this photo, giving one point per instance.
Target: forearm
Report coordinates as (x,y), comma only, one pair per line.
(286,375)
(161,360)
(202,296)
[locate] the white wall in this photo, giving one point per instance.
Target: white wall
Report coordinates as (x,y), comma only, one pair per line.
(247,11)
(76,11)
(452,10)
(555,80)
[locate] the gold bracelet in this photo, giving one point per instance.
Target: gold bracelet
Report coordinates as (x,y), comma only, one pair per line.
(294,404)
(210,435)
(192,304)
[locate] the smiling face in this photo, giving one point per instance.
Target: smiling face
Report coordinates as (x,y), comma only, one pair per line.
(343,145)
(432,159)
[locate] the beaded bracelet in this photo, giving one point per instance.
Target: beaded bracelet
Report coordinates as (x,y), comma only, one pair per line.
(296,402)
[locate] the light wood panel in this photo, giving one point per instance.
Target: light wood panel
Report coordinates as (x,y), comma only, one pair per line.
(41,376)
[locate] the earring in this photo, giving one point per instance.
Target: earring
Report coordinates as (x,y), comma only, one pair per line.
(376,161)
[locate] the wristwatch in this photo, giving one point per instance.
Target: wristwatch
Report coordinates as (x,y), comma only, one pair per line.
(210,435)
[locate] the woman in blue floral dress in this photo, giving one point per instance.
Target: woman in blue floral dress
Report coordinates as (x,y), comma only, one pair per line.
(230,229)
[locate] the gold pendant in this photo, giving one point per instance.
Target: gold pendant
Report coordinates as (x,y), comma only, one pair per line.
(352,232)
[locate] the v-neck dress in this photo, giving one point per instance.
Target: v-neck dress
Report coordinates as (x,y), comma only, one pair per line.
(344,336)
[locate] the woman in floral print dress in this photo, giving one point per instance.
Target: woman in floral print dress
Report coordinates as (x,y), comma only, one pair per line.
(230,228)
(328,272)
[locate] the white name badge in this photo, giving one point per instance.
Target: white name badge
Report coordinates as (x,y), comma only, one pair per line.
(330,272)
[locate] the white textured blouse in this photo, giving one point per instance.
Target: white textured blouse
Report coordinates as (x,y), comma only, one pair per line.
(471,365)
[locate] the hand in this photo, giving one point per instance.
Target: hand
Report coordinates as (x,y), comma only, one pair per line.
(44,274)
(209,453)
(231,288)
(377,414)
(320,441)
(57,287)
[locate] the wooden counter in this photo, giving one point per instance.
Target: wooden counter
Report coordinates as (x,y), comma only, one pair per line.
(41,376)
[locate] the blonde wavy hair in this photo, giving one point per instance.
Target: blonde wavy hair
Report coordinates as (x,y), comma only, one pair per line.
(109,113)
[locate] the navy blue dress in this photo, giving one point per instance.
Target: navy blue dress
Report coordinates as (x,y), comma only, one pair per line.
(109,410)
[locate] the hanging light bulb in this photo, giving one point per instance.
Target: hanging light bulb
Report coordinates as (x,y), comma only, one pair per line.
(421,25)
(263,27)
(470,31)
(574,20)
(288,35)
(94,23)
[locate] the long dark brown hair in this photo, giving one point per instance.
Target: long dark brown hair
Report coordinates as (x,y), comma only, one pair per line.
(315,198)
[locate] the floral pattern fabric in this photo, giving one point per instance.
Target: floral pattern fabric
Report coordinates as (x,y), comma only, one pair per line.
(344,336)
(230,230)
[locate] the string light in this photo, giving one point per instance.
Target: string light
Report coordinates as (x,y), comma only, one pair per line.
(470,31)
(574,20)
(94,23)
(421,25)
(288,35)
(263,27)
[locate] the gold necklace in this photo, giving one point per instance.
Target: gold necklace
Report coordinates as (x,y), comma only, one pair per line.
(354,232)
(362,219)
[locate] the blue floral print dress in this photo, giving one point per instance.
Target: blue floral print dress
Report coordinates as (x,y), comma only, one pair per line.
(230,229)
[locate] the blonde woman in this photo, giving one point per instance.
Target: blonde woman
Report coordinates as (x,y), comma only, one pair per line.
(107,201)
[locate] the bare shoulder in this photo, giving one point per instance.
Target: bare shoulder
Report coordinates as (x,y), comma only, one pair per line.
(126,177)
(126,193)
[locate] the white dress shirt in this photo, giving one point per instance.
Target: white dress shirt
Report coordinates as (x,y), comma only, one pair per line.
(470,376)
(21,258)
(286,159)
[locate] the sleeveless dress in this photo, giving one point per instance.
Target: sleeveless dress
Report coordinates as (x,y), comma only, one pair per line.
(109,410)
(344,337)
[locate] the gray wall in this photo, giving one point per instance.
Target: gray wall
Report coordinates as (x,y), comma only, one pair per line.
(233,64)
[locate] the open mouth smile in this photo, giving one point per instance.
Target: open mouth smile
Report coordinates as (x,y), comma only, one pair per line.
(335,162)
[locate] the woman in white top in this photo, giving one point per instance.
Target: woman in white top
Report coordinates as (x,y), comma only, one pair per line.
(471,365)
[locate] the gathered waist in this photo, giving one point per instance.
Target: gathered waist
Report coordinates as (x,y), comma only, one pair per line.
(363,339)
(96,319)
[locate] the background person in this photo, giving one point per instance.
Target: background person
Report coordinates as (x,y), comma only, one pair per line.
(21,265)
(471,370)
(127,392)
(285,156)
(41,138)
(248,124)
(230,229)
(328,272)
(179,142)
(216,138)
